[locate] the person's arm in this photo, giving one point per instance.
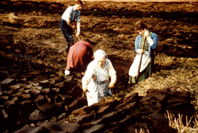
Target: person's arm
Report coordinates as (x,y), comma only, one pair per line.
(140,51)
(113,80)
(78,24)
(68,21)
(78,29)
(86,78)
(137,45)
(148,37)
(150,40)
(155,40)
(112,74)
(84,84)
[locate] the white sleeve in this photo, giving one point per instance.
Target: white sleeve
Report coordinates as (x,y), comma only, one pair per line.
(89,72)
(110,68)
(150,41)
(67,13)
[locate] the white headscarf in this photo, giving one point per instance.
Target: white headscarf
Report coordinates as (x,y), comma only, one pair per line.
(99,54)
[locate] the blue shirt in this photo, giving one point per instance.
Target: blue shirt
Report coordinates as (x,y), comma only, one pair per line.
(155,40)
(73,14)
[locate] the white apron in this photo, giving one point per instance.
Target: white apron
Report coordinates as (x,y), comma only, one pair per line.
(146,59)
(98,85)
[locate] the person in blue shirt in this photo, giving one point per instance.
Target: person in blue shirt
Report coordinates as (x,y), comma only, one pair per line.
(151,43)
(70,15)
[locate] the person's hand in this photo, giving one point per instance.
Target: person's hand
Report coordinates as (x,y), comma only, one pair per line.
(140,51)
(73,26)
(83,95)
(84,92)
(67,72)
(84,89)
(111,85)
(82,73)
(146,33)
(77,34)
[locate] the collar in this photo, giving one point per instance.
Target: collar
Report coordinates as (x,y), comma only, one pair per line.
(74,8)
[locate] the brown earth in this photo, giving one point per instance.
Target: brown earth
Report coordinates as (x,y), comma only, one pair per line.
(36,97)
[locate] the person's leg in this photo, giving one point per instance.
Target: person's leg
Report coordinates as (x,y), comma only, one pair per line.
(67,32)
(131,80)
(69,64)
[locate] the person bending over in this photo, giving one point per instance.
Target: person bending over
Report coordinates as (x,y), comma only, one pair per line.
(79,56)
(70,15)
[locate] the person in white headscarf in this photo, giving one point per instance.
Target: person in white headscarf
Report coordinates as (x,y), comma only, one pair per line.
(99,78)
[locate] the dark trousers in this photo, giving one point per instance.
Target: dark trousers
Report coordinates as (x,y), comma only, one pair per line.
(67,31)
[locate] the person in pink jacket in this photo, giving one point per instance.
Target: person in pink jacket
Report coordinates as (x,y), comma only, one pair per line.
(80,54)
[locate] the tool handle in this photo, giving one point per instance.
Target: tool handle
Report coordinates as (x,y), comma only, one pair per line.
(138,74)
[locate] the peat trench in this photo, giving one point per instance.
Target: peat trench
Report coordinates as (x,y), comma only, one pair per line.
(38,98)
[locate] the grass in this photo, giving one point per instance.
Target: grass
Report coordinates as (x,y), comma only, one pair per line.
(190,126)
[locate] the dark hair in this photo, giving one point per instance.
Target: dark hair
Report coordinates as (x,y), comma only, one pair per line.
(79,2)
(139,25)
(86,40)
